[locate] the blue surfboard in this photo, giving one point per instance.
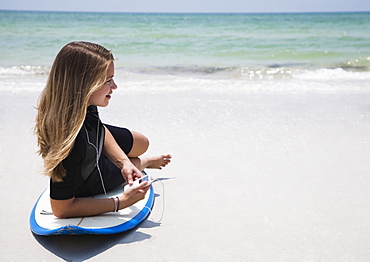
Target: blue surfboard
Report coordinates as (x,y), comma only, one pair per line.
(43,222)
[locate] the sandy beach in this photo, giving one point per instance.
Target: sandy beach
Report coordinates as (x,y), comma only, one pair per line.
(256,176)
(267,117)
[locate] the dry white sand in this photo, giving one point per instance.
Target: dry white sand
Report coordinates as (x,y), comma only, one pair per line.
(255,177)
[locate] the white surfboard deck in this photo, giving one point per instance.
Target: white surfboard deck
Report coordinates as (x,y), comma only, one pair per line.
(43,222)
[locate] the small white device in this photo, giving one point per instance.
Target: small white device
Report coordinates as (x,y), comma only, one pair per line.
(143,179)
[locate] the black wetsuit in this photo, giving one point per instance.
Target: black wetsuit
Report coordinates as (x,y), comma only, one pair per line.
(82,175)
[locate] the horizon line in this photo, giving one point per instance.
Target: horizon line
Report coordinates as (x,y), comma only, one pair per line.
(175,12)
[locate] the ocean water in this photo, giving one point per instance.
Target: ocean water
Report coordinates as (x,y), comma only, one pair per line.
(209,52)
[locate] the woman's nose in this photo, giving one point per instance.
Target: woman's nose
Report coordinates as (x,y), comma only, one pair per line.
(114,86)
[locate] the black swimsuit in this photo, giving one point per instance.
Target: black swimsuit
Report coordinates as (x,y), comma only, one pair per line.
(82,175)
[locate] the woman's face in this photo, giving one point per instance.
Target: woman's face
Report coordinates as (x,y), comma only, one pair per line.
(102,96)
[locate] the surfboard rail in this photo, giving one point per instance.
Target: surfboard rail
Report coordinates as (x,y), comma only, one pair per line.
(123,220)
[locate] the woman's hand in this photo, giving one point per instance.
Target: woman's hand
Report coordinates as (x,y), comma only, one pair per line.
(133,194)
(130,173)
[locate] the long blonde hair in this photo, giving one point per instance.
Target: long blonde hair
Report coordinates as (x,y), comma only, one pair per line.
(78,70)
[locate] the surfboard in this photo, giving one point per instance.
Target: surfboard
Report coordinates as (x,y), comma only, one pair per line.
(43,222)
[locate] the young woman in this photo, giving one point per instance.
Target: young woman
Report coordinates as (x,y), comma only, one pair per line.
(82,156)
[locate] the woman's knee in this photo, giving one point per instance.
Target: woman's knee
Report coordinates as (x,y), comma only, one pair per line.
(140,144)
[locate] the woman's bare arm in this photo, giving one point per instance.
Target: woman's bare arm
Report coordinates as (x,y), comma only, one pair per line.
(78,207)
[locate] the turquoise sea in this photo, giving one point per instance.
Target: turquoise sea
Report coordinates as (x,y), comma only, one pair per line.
(243,47)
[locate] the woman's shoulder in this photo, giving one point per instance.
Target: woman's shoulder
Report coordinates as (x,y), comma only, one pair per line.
(78,151)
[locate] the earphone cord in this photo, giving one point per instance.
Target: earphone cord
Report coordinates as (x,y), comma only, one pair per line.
(101,177)
(150,210)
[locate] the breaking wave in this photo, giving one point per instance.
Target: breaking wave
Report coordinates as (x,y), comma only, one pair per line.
(24,70)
